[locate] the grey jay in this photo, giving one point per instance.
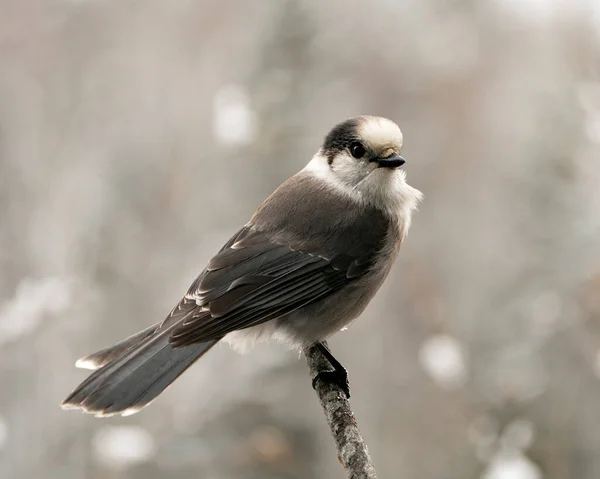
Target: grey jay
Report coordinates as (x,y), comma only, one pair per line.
(307,263)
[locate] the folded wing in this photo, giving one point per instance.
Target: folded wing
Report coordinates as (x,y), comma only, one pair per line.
(254,279)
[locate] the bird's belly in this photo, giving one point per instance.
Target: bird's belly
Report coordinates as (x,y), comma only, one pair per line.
(321,320)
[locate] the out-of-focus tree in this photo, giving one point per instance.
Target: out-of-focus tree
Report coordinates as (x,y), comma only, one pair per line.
(135,137)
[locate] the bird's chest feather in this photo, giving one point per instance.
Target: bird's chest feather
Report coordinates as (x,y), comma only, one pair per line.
(359,241)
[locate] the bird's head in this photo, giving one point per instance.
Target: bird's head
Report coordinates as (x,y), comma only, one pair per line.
(361,156)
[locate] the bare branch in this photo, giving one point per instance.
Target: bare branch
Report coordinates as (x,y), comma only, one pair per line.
(352,451)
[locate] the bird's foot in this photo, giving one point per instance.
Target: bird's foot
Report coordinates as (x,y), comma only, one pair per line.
(337,377)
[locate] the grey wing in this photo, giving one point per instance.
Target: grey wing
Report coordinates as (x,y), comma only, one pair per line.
(254,279)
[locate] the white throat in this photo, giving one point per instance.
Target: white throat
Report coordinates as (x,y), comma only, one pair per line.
(383,188)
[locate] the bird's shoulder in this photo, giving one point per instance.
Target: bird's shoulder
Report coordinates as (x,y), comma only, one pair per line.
(295,227)
(296,250)
(308,214)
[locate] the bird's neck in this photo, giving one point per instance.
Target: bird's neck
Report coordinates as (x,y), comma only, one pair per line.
(383,189)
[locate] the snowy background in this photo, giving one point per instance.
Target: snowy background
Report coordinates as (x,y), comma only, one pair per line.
(135,138)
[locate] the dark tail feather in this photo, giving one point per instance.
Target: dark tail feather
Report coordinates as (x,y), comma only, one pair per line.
(107,355)
(136,375)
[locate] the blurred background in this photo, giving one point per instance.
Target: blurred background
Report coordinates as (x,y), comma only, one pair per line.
(135,138)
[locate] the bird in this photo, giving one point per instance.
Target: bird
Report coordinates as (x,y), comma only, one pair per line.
(304,267)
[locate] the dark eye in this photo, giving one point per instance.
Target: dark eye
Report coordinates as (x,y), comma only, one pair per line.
(357,150)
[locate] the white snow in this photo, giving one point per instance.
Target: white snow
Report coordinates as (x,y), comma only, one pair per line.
(3,432)
(511,465)
(443,358)
(234,122)
(518,434)
(34,298)
(123,446)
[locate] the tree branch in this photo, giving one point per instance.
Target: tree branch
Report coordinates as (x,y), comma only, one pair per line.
(352,451)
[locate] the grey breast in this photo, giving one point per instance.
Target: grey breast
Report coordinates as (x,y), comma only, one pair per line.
(306,247)
(309,215)
(312,217)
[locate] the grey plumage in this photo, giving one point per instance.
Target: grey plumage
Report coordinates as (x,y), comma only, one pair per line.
(107,355)
(308,262)
(133,372)
(280,262)
(135,379)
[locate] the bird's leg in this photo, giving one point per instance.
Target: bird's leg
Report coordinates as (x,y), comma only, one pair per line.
(338,376)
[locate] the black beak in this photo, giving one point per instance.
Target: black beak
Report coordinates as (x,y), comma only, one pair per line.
(393,161)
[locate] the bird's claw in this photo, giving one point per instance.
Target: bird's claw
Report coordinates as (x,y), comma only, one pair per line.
(337,377)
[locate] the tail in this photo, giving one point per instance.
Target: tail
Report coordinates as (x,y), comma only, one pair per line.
(132,373)
(107,355)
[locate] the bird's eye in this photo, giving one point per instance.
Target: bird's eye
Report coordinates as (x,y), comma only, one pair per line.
(357,150)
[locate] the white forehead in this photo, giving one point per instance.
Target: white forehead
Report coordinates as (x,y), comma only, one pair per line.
(380,132)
